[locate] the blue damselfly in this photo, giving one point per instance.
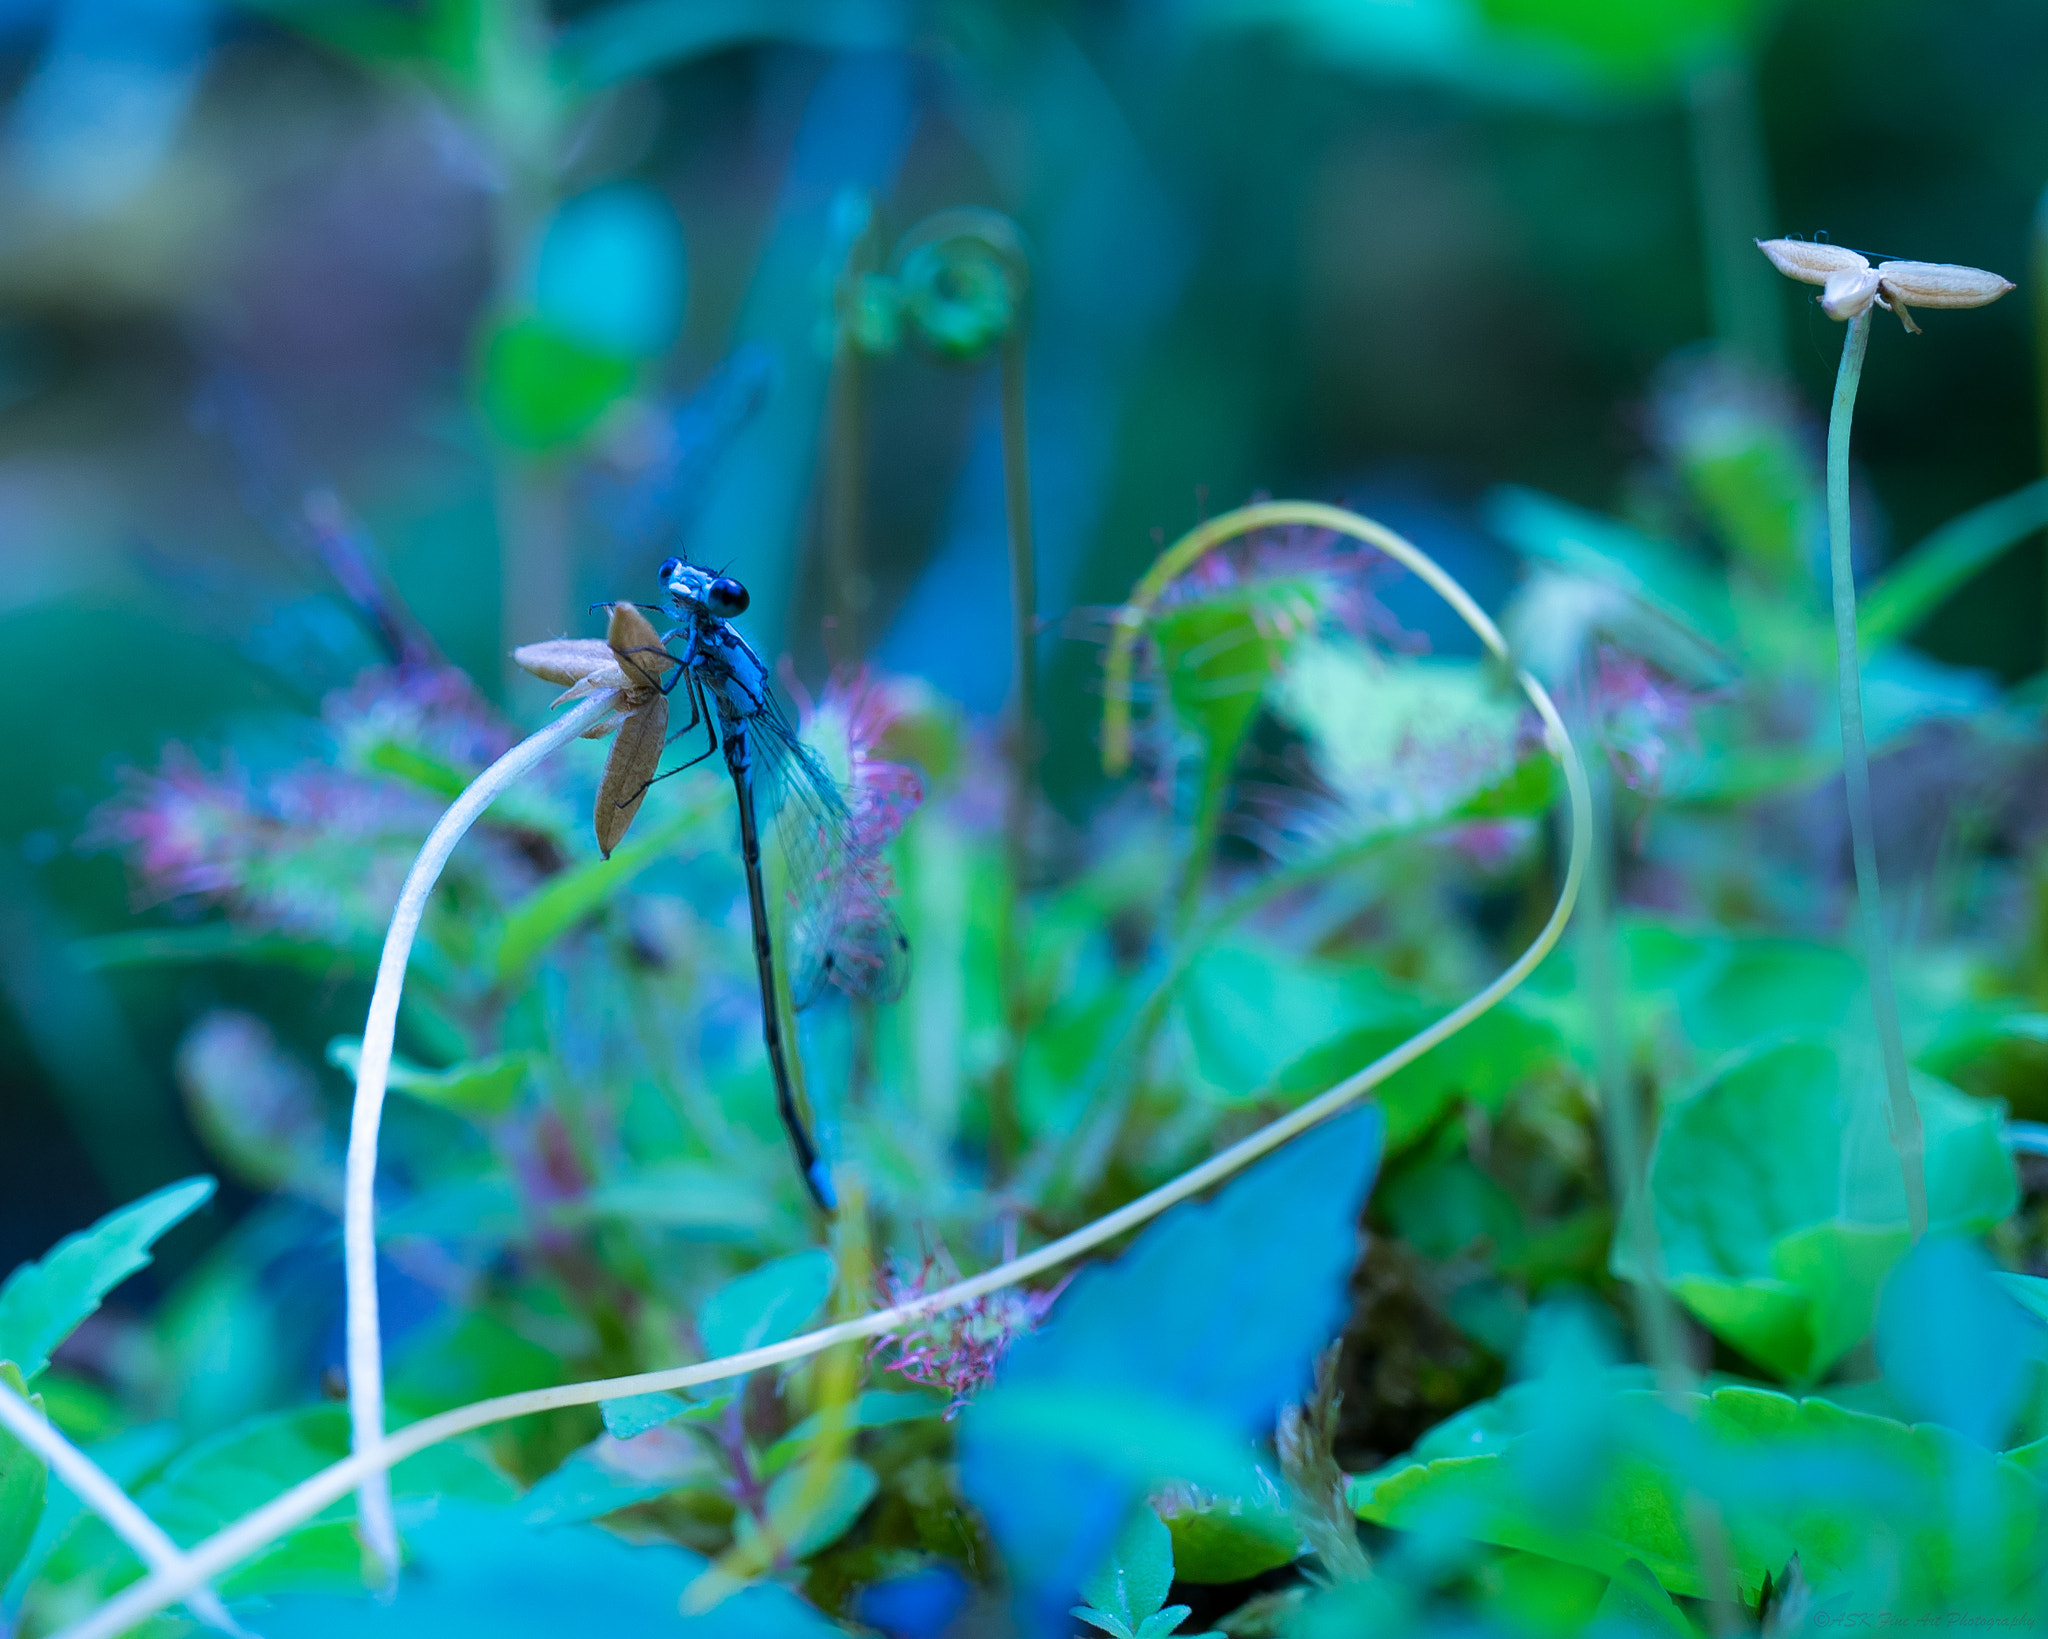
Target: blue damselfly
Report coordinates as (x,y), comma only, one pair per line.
(841,932)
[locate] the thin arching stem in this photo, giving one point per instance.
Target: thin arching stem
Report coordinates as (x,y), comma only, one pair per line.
(95,1487)
(1021,798)
(265,1525)
(1884,1001)
(359,1187)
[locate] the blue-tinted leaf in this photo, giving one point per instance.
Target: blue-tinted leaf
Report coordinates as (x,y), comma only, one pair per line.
(1172,1316)
(1954,1347)
(623,1419)
(42,1303)
(481,1571)
(919,1605)
(1160,1365)
(586,1487)
(2030,1292)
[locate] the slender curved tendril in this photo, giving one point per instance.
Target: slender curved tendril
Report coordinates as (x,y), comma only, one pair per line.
(97,1489)
(964,281)
(359,1188)
(265,1525)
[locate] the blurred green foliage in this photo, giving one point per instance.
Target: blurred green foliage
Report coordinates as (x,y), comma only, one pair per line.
(369,340)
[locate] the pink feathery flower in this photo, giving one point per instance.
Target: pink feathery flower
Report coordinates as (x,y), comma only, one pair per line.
(854,716)
(958,1350)
(184,829)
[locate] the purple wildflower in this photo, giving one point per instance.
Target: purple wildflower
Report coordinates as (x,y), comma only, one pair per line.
(956,1351)
(316,848)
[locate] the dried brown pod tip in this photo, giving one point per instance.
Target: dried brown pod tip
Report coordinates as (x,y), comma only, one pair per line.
(631,661)
(1850,284)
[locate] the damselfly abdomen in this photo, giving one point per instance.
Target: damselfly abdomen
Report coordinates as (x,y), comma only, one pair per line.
(842,933)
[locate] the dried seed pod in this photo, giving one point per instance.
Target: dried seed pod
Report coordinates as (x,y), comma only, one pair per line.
(1936,284)
(636,646)
(1849,292)
(1940,284)
(629,770)
(565,659)
(1812,262)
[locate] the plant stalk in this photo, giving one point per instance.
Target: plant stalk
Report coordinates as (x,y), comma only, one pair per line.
(365,1355)
(1004,1133)
(1907,1136)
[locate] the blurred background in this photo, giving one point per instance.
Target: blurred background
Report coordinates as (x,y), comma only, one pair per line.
(477,311)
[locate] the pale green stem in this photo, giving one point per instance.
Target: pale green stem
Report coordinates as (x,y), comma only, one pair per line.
(96,1488)
(1003,1131)
(359,1186)
(256,1530)
(1884,1002)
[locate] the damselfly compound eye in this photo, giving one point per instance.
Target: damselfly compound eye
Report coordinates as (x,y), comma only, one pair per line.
(726,598)
(668,567)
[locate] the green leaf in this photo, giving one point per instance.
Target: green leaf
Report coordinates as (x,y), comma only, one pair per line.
(24,1484)
(1635,1604)
(481,1089)
(767,1304)
(804,1531)
(1858,1498)
(219,942)
(1488,1061)
(1921,581)
(636,1414)
(465,1356)
(567,898)
(1219,1539)
(1779,1205)
(417,766)
(220,1479)
(42,1303)
(873,1408)
(1133,1582)
(1251,1010)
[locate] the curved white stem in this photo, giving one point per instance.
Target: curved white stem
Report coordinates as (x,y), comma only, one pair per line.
(96,1488)
(359,1190)
(373,1457)
(256,1530)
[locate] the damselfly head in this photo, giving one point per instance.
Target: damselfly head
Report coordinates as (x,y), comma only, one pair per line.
(690,587)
